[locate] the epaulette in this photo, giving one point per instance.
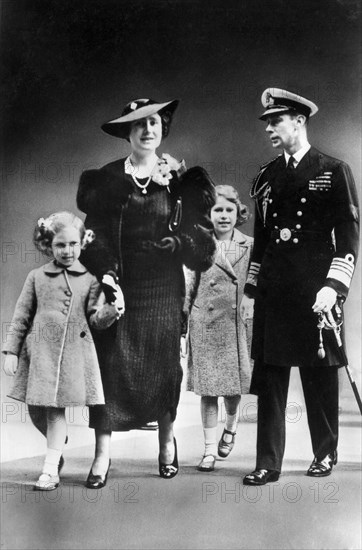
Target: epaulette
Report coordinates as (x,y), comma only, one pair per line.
(255,190)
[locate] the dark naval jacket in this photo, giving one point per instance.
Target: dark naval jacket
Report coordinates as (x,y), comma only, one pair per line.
(305,237)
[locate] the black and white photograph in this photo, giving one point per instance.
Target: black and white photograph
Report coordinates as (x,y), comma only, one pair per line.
(180,274)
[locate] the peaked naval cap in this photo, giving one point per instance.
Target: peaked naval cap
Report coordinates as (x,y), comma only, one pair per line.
(277,101)
(135,110)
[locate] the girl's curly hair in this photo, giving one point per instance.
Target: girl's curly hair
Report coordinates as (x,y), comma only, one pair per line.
(47,228)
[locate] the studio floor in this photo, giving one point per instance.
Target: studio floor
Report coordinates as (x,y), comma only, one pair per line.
(139,510)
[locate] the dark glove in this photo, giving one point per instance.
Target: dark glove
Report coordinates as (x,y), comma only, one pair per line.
(168,245)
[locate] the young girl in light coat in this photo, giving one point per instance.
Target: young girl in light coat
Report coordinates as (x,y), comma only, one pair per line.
(219,341)
(49,347)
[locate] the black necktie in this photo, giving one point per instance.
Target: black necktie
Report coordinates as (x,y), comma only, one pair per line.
(290,165)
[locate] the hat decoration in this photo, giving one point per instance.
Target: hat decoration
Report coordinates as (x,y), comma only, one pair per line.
(278,101)
(135,110)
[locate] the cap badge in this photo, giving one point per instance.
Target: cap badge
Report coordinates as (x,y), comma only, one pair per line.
(269,99)
(133,106)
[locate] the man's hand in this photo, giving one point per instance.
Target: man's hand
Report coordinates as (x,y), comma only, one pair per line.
(10,364)
(247,308)
(325,300)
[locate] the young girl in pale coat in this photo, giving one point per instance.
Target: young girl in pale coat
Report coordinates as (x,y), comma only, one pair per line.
(50,348)
(219,340)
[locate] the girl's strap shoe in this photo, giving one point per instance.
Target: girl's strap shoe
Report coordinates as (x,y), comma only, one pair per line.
(47,482)
(207,463)
(225,448)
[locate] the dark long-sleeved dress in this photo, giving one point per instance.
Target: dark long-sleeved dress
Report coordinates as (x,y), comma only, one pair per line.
(140,355)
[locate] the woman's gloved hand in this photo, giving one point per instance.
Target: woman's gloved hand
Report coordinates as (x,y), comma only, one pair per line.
(113,292)
(168,245)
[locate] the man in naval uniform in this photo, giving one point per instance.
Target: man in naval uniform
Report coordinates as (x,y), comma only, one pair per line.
(305,249)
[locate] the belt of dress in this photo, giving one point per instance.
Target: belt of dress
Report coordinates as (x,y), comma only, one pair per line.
(297,235)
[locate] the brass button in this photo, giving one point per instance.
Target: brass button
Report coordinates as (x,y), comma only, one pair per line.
(275,215)
(295,241)
(298,226)
(270,201)
(211,307)
(67,292)
(299,213)
(277,241)
(303,200)
(65,311)
(212,282)
(234,306)
(66,302)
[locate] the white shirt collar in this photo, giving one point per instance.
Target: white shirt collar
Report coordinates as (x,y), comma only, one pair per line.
(298,155)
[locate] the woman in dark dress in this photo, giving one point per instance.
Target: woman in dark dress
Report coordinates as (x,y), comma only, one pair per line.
(150,216)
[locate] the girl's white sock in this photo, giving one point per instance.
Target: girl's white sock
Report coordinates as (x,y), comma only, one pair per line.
(51,461)
(210,441)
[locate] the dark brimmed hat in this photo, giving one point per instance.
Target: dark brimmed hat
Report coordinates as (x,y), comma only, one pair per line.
(277,101)
(135,110)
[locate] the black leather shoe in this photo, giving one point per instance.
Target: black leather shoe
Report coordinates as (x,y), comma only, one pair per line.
(224,448)
(323,467)
(99,481)
(261,477)
(167,471)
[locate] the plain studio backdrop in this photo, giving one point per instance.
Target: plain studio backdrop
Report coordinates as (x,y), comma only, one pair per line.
(70,65)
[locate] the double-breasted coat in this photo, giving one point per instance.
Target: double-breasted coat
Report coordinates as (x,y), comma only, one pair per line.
(306,237)
(219,361)
(140,355)
(50,333)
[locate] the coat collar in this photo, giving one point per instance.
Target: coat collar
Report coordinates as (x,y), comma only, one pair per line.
(240,250)
(76,268)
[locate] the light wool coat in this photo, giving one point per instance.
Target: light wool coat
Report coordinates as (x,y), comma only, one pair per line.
(219,341)
(49,332)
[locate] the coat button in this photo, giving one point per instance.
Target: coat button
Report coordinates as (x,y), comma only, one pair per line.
(299,213)
(212,282)
(295,241)
(211,307)
(303,200)
(277,241)
(298,226)
(65,311)
(67,292)
(66,302)
(275,215)
(83,334)
(234,306)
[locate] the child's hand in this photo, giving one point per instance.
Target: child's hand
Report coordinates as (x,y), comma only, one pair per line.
(10,364)
(106,316)
(247,308)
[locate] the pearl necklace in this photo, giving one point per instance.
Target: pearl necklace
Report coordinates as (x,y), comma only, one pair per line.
(130,170)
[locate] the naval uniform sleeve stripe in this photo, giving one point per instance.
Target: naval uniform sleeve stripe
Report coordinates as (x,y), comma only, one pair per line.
(253,273)
(343,265)
(254,268)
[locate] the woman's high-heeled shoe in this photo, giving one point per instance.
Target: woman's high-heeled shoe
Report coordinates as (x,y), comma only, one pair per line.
(97,481)
(167,471)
